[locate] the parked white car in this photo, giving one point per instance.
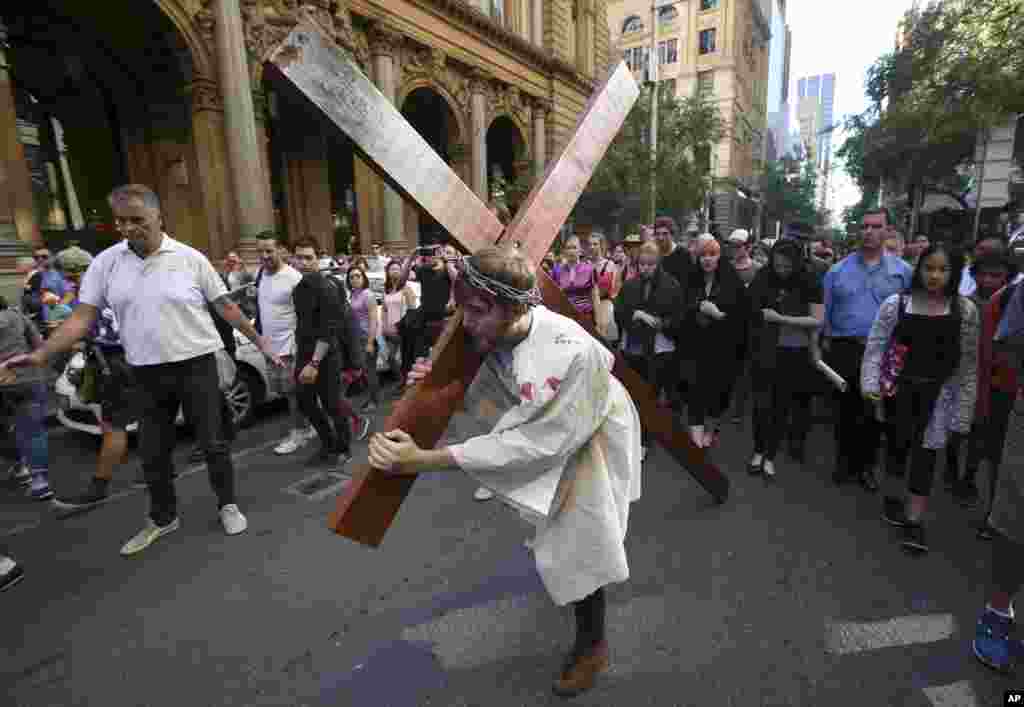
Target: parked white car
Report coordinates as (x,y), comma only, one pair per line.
(249,392)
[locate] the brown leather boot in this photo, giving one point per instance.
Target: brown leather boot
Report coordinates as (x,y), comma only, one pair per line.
(581,671)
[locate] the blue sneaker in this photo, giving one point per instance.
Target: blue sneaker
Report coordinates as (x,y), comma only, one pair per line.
(992,643)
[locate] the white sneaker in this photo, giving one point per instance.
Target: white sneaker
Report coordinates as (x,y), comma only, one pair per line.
(148,535)
(308,433)
(483,494)
(291,443)
(233,520)
(362,426)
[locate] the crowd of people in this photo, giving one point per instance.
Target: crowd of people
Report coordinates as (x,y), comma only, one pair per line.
(898,339)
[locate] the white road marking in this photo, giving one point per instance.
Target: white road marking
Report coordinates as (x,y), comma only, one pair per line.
(194,469)
(857,636)
(957,694)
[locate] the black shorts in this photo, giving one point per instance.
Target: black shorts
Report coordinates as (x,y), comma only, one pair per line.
(118,393)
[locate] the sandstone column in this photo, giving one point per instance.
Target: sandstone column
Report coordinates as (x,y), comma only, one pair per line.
(541,107)
(261,112)
(478,133)
(384,43)
(537,22)
(212,185)
(17,212)
(253,210)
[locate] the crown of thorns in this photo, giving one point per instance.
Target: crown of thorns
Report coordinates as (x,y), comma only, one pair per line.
(478,281)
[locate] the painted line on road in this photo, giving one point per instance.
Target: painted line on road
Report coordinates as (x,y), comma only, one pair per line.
(126,493)
(957,694)
(858,636)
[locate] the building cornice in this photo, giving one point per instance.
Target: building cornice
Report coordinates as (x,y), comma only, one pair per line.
(507,39)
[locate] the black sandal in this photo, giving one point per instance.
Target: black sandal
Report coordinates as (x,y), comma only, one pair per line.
(756,469)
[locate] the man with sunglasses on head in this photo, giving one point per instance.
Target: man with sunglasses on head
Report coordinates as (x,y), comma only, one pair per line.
(44,286)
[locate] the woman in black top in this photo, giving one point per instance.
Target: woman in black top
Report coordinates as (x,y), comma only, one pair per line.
(787,308)
(927,386)
(717,312)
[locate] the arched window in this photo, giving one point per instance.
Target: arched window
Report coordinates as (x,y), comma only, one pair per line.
(633,23)
(667,14)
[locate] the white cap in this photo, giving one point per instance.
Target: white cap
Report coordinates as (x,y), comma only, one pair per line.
(740,236)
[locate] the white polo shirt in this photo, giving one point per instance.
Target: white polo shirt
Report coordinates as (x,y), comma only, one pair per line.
(159,301)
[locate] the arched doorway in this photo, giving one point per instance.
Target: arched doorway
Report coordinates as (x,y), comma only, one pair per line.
(507,175)
(432,117)
(311,170)
(98,93)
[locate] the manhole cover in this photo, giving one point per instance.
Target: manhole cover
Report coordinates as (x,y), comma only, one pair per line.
(319,485)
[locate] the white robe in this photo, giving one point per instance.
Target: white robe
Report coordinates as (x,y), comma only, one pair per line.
(563,448)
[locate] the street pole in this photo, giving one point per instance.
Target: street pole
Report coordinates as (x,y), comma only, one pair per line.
(653,75)
(981,186)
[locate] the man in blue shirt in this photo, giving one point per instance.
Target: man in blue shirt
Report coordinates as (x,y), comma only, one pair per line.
(854,289)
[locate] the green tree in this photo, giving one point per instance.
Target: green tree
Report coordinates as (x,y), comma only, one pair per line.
(619,190)
(788,189)
(958,71)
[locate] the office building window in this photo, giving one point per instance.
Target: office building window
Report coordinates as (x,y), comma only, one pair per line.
(668,51)
(707,41)
(667,14)
(636,58)
(706,84)
(633,23)
(706,5)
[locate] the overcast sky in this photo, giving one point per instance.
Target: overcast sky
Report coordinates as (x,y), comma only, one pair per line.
(843,38)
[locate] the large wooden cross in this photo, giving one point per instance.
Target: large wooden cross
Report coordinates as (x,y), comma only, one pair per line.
(330,78)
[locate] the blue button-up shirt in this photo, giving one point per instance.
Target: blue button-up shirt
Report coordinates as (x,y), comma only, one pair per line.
(854,292)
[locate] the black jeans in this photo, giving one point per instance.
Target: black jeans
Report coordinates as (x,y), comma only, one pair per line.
(907,415)
(320,402)
(163,388)
(775,410)
(857,432)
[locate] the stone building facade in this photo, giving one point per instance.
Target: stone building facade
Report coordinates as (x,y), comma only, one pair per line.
(173,93)
(718,48)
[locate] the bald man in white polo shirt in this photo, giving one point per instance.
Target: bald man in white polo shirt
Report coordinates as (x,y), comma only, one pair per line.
(159,289)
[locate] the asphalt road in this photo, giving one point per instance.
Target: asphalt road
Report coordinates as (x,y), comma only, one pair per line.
(790,594)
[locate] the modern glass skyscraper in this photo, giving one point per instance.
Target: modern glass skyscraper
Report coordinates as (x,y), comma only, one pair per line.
(822,88)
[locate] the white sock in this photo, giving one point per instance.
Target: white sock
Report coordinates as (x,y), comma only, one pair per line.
(6,564)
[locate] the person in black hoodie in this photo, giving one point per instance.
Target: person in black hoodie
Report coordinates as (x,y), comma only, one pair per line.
(787,308)
(648,314)
(677,262)
(321,354)
(717,312)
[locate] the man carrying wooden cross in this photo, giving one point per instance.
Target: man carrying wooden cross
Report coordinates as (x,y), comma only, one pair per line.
(562,443)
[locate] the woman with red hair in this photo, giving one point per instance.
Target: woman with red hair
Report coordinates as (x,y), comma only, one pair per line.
(717,314)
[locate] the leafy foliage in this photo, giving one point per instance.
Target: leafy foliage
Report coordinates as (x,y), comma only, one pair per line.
(619,189)
(788,191)
(959,70)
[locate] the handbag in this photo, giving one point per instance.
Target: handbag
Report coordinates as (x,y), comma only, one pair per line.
(893,360)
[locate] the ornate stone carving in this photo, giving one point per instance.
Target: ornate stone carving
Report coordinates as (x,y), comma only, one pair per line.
(541,105)
(384,41)
(428,64)
(205,22)
(205,94)
(479,81)
(503,99)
